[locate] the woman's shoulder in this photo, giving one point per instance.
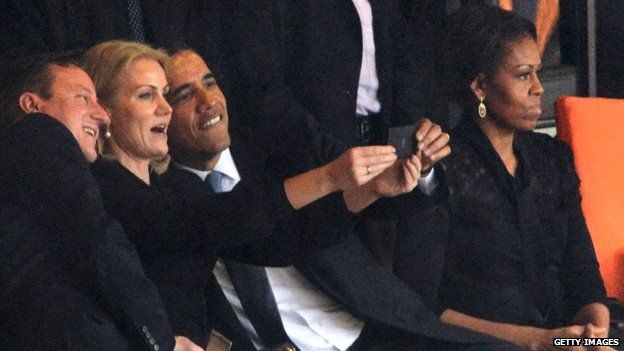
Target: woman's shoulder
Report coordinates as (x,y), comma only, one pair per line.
(547,146)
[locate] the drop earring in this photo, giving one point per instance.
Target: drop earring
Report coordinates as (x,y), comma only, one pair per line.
(107,134)
(482,108)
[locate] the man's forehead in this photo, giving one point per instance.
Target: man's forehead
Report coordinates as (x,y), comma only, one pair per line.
(185,67)
(70,77)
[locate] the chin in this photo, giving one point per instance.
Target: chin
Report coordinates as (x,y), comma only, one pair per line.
(90,156)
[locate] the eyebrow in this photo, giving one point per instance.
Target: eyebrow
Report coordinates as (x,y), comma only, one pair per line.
(183,87)
(529,65)
(83,89)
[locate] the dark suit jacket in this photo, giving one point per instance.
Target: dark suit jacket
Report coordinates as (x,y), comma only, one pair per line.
(57,236)
(180,229)
(509,249)
(298,63)
(347,272)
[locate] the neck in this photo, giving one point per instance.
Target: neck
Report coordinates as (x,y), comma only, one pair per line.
(137,166)
(198,161)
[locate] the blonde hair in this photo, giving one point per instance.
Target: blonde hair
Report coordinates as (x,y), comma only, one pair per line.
(106,62)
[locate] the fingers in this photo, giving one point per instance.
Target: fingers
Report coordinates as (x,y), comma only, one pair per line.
(440,154)
(423,129)
(432,143)
(573,331)
(592,331)
(411,170)
(427,133)
(185,344)
(374,150)
(440,142)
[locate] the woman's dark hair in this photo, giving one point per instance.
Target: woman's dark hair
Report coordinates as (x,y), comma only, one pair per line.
(475,40)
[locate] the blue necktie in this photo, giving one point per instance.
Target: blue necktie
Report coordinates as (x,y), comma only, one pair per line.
(136,20)
(214,179)
(253,289)
(256,296)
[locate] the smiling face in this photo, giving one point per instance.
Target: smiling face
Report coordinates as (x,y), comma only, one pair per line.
(139,112)
(73,102)
(199,127)
(513,96)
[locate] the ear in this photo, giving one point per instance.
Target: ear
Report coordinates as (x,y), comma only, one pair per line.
(478,86)
(30,102)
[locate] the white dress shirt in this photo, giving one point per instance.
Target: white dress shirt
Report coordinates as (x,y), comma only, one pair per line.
(367,101)
(312,320)
(225,165)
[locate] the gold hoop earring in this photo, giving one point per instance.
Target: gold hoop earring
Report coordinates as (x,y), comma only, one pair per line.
(482,108)
(107,134)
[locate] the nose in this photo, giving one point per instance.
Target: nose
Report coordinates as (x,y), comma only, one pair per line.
(207,99)
(537,88)
(163,109)
(99,114)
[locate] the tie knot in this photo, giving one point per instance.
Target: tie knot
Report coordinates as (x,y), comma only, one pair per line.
(214,181)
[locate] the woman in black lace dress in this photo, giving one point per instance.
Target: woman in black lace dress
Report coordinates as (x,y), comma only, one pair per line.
(509,253)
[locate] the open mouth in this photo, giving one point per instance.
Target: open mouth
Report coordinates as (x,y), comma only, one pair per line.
(159,128)
(92,132)
(211,122)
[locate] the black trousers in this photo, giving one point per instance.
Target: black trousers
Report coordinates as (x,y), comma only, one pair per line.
(376,337)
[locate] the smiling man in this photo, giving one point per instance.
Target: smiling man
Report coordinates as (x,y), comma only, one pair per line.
(292,307)
(69,278)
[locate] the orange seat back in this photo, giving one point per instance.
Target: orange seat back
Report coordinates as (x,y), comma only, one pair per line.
(594,128)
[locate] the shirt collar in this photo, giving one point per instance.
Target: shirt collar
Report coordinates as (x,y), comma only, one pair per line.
(225,165)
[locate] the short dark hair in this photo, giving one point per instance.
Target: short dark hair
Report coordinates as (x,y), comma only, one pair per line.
(475,40)
(28,74)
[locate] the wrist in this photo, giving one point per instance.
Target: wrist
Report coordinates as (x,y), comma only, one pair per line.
(329,181)
(528,337)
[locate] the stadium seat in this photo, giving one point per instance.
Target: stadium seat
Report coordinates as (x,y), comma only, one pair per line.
(594,128)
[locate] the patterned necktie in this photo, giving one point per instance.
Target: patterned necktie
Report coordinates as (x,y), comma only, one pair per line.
(136,20)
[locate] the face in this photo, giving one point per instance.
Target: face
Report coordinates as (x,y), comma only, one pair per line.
(73,102)
(199,127)
(514,95)
(139,112)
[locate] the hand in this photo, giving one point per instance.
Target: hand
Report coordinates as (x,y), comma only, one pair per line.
(592,331)
(185,344)
(542,339)
(358,165)
(432,144)
(400,178)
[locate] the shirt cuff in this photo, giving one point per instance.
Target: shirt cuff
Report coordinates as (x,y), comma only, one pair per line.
(428,184)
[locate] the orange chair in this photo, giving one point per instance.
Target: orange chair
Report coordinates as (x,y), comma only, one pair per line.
(594,128)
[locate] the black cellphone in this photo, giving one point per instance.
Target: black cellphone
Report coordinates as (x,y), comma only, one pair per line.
(403,140)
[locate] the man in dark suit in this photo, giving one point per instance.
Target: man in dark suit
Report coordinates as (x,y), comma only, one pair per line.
(69,278)
(361,305)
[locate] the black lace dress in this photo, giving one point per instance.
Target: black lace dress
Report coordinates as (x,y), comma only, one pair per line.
(504,248)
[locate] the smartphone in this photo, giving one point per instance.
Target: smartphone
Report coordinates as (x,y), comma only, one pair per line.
(218,342)
(403,140)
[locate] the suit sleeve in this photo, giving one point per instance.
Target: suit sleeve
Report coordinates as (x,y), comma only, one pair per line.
(322,224)
(348,273)
(50,174)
